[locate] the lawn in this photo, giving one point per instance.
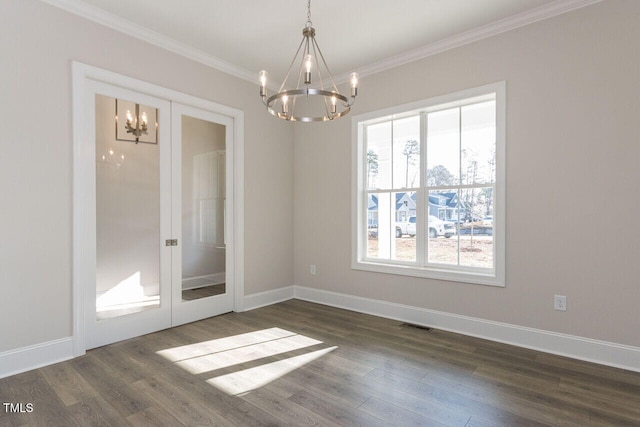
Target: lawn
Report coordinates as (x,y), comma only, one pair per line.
(476,251)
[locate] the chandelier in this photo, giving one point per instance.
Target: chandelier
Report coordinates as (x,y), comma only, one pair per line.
(305,103)
(136,126)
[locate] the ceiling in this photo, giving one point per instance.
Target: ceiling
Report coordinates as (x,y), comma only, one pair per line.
(244,36)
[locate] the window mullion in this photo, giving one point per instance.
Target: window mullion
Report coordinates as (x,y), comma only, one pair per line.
(362,220)
(460,172)
(422,203)
(392,203)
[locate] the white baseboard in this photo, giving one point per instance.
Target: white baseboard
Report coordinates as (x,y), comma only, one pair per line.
(261,299)
(602,352)
(590,350)
(200,281)
(24,359)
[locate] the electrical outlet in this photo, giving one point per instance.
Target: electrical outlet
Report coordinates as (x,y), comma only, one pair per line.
(560,302)
(312,269)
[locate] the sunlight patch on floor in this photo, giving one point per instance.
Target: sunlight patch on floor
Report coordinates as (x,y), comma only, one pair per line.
(208,356)
(241,382)
(205,348)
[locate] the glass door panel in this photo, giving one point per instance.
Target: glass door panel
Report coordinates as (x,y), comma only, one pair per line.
(131,150)
(203,209)
(127,219)
(200,182)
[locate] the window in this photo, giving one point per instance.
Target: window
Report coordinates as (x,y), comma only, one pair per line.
(429,185)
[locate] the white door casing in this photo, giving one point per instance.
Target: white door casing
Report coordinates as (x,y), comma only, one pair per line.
(87,82)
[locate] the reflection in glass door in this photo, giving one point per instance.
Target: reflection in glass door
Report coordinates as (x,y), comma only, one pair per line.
(130,213)
(127,217)
(203,209)
(200,156)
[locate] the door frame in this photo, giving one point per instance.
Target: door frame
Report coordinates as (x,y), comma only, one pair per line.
(84,184)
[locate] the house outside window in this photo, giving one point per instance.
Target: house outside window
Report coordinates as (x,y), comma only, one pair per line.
(429,188)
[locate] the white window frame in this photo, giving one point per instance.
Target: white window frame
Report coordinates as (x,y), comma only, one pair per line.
(492,277)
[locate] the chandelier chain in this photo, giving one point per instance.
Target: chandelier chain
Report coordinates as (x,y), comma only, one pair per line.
(309,11)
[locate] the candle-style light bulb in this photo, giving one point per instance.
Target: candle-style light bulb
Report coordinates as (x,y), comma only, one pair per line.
(129,117)
(308,63)
(334,100)
(263,76)
(353,79)
(285,105)
(144,118)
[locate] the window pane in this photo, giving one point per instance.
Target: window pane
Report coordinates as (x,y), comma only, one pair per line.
(379,155)
(476,233)
(478,147)
(372,226)
(443,212)
(382,234)
(443,147)
(405,225)
(406,152)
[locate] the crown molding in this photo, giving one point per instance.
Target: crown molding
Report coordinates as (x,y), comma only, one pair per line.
(135,30)
(501,26)
(117,23)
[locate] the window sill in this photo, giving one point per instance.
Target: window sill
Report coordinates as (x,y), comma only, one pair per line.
(473,277)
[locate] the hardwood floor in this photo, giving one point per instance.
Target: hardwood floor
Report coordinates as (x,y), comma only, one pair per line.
(298,363)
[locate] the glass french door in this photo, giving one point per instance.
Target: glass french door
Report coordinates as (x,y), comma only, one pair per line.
(201,265)
(160,215)
(131,294)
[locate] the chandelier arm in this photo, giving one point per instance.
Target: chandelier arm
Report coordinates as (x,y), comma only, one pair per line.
(314,44)
(305,40)
(291,65)
(319,71)
(325,65)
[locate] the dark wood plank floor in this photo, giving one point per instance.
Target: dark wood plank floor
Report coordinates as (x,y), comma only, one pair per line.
(316,365)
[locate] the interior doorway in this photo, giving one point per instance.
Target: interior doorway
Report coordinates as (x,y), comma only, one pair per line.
(157,217)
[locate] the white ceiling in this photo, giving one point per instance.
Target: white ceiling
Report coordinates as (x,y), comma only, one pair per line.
(244,36)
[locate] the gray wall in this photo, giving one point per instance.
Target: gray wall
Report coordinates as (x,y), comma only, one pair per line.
(573,102)
(38,45)
(572,141)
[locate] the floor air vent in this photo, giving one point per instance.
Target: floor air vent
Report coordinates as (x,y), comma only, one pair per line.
(412,325)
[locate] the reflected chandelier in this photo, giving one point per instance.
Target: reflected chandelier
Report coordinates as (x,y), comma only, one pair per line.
(319,104)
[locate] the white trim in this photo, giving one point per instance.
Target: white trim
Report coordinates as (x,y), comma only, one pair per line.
(456,273)
(137,31)
(501,26)
(602,352)
(587,349)
(262,299)
(35,356)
